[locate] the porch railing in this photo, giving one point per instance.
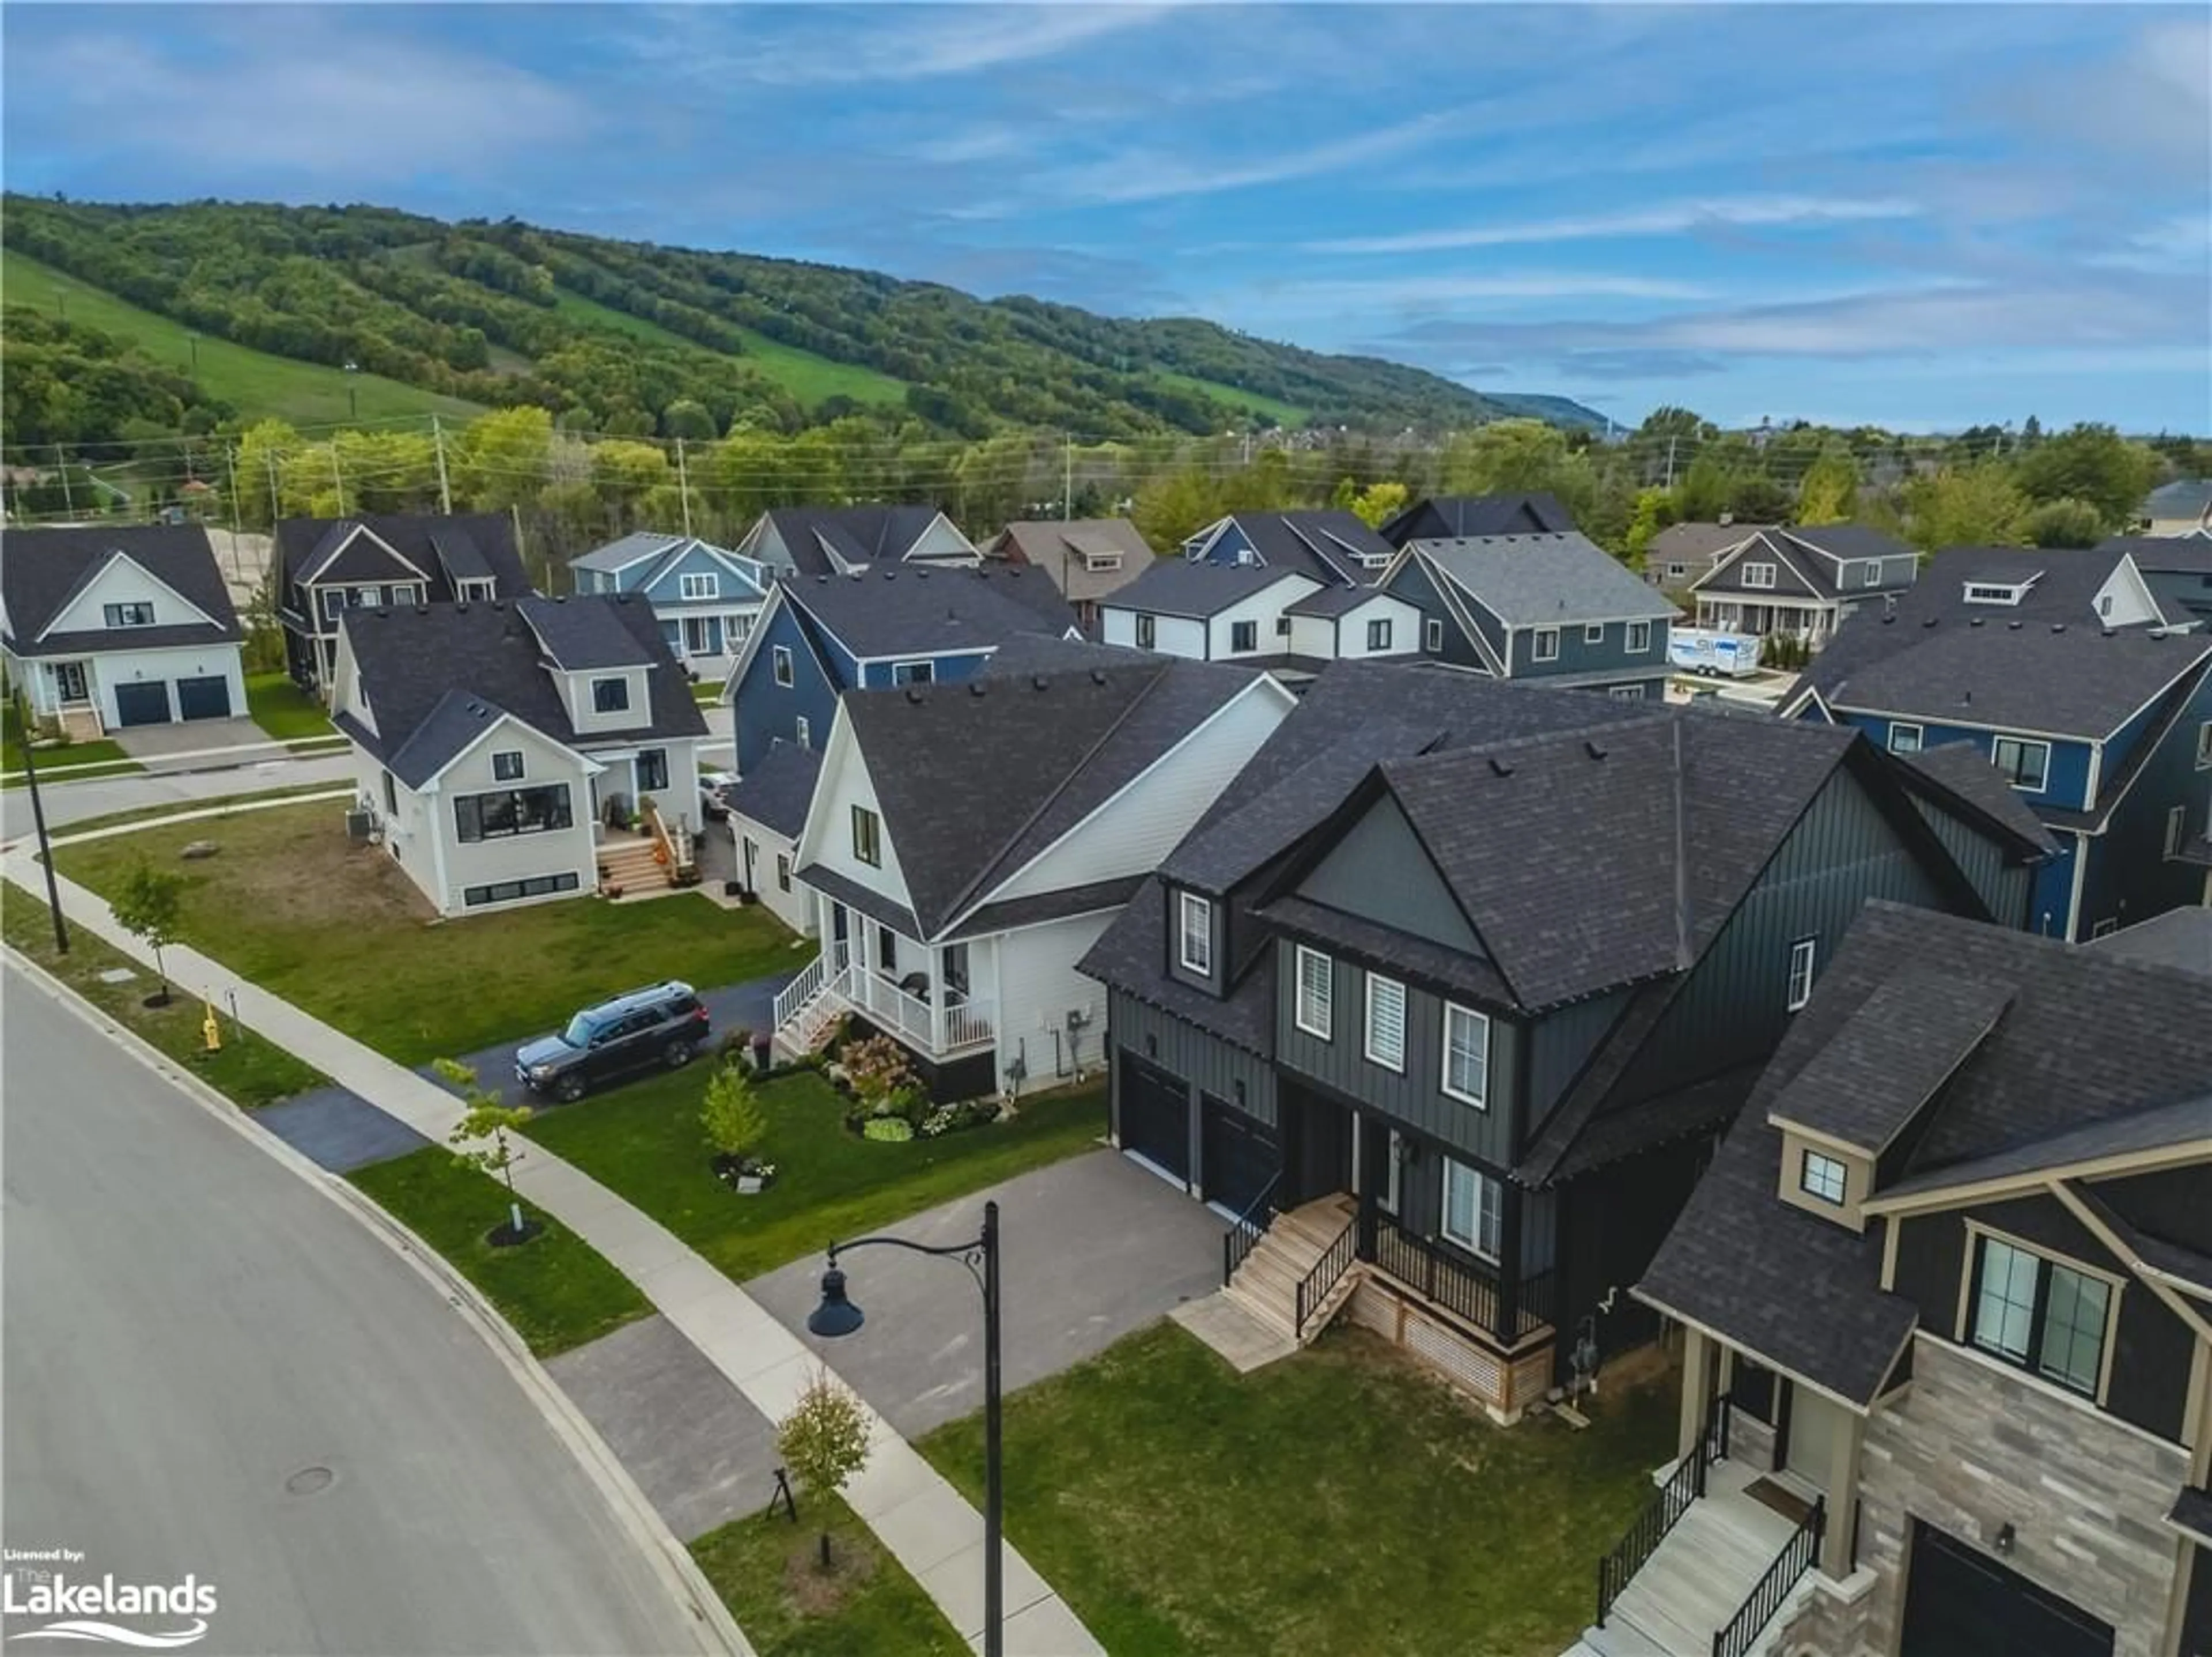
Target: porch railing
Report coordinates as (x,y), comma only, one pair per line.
(908,1016)
(1246,1230)
(793,996)
(1328,1271)
(1685,1485)
(1464,1287)
(1759,1606)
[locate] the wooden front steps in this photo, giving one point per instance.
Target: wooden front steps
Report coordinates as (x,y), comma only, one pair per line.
(627,862)
(1267,1283)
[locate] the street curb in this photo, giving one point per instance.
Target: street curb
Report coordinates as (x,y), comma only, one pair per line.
(718,1631)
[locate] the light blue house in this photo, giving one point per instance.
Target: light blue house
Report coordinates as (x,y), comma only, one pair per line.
(706,598)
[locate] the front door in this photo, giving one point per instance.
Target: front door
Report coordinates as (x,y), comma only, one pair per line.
(69,681)
(1814,1422)
(1316,1147)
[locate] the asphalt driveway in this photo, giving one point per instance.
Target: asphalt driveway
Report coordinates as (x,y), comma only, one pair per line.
(153,746)
(1093,1248)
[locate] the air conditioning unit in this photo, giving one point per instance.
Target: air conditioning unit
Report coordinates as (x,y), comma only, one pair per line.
(360,825)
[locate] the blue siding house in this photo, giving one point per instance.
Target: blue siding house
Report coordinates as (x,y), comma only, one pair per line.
(2104,734)
(705,598)
(819,636)
(1551,607)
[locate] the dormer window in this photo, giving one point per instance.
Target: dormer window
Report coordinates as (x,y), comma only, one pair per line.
(128,615)
(1822,1176)
(1194,934)
(610,696)
(1870,575)
(1758,575)
(705,586)
(474,591)
(2005,593)
(1099,562)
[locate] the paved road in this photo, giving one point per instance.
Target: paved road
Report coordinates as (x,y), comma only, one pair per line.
(74,802)
(188,1325)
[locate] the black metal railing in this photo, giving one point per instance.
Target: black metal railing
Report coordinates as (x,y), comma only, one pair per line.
(1246,1230)
(1759,1606)
(1683,1486)
(1335,1260)
(1467,1287)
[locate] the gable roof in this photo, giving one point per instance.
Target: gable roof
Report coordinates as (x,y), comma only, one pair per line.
(1697,544)
(1816,555)
(577,636)
(1343,601)
(1061,550)
(776,792)
(440,549)
(2180,938)
(2184,497)
(427,669)
(1179,587)
(1450,516)
(974,780)
(1967,779)
(1536,581)
(43,571)
(1329,544)
(2029,1096)
(2164,554)
(635,547)
(2055,678)
(927,612)
(826,540)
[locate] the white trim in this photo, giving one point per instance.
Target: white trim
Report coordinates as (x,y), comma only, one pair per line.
(2025,743)
(1536,651)
(314,578)
(782,668)
(1367,1030)
(1807,1156)
(1750,585)
(1298,994)
(1432,633)
(1191,905)
(1455,599)
(85,584)
(1481,1100)
(1632,647)
(928,662)
(684,580)
(1489,1200)
(1919,736)
(1593,632)
(1793,998)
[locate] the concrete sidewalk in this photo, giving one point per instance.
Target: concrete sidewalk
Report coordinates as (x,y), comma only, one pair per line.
(924,1523)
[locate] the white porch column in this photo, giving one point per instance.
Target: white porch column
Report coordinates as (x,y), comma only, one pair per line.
(937,990)
(1697,1363)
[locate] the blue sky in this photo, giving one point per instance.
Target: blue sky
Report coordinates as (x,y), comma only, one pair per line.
(1921,217)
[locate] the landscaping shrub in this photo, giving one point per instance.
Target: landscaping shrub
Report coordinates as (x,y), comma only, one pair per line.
(895,1129)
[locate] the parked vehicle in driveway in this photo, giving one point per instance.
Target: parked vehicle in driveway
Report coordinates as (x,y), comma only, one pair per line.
(657,1028)
(714,796)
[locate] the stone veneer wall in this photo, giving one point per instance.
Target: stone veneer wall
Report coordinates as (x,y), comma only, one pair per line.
(1972,1446)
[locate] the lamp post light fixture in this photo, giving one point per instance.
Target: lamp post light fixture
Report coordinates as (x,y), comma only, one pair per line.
(837,1317)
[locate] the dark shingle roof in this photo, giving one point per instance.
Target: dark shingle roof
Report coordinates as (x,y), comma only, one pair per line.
(635,547)
(2189,554)
(818,537)
(1042,653)
(2180,938)
(577,634)
(1177,587)
(776,792)
(423,669)
(1964,777)
(42,571)
(442,548)
(922,612)
(1338,601)
(1130,955)
(1534,512)
(1529,580)
(1697,544)
(1327,545)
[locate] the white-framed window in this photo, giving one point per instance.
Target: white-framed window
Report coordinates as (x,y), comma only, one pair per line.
(1467,1055)
(2204,746)
(1378,635)
(802,731)
(1626,692)
(1639,637)
(1547,644)
(914,673)
(1993,593)
(867,836)
(1758,575)
(138,613)
(1872,575)
(1243,635)
(783,871)
(1386,1022)
(1593,632)
(1148,630)
(1676,571)
(610,696)
(2177,824)
(1098,562)
(2025,763)
(780,662)
(1802,955)
(1194,933)
(2046,1317)
(705,586)
(1433,631)
(698,636)
(651,770)
(1905,737)
(1316,996)
(1822,1176)
(506,765)
(1474,1209)
(477,589)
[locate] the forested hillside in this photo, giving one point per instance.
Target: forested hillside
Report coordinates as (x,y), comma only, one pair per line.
(631,339)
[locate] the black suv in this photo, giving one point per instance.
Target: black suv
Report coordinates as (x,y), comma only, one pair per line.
(659,1026)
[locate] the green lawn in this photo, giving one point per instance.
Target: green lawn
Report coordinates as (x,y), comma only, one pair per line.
(103,752)
(1339,1501)
(339,930)
(252,1071)
(257,382)
(283,709)
(806,376)
(556,1289)
(158,809)
(1273,408)
(765,1568)
(644,1141)
(706,692)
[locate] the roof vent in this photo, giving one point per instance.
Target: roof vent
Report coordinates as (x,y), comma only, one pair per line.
(890,575)
(822,580)
(1037,681)
(976,687)
(921,575)
(1967,696)
(1097,675)
(913,695)
(2057,626)
(1930,622)
(2111,633)
(1978,621)
(1887,619)
(1592,750)
(422,609)
(1499,768)
(2014,626)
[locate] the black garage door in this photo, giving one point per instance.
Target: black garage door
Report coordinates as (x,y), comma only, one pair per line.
(1961,1603)
(203,698)
(1237,1155)
(143,704)
(1155,1116)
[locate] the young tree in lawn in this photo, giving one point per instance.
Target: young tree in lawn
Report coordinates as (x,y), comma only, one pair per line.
(482,1133)
(824,1441)
(731,1116)
(150,906)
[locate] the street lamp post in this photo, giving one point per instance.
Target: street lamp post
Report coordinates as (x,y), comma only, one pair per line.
(837,1317)
(39,820)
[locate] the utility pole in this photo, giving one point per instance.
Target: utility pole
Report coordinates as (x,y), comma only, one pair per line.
(684,485)
(230,467)
(445,490)
(68,496)
(1670,463)
(39,820)
(1067,478)
(276,505)
(337,477)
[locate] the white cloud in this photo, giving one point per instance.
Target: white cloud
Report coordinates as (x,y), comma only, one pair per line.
(891,43)
(1153,176)
(1673,219)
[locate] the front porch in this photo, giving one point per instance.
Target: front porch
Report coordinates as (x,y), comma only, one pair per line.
(1808,622)
(921,996)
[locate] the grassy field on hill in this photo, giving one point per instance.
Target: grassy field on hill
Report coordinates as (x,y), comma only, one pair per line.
(255,382)
(1282,413)
(809,378)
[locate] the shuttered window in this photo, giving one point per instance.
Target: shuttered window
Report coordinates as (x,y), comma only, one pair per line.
(1386,1022)
(1317,992)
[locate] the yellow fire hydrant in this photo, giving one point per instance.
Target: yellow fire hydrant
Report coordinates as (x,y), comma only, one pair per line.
(211,1030)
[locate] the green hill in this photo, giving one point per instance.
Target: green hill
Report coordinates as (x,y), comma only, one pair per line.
(253,382)
(635,337)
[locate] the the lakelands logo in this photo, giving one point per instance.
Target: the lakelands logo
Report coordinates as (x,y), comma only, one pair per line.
(38,1584)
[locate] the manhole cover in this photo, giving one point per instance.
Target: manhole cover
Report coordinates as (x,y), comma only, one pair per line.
(308,1480)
